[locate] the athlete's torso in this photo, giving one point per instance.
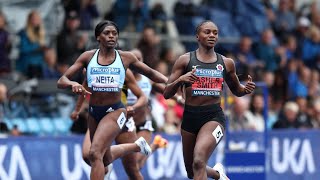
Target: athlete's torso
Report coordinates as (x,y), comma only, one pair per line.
(105,80)
(209,86)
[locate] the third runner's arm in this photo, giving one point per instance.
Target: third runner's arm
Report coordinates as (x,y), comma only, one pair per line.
(133,86)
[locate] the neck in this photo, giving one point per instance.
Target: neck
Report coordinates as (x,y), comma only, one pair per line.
(206,51)
(106,51)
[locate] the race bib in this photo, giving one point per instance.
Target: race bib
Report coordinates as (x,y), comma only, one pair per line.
(105,79)
(209,82)
(217,134)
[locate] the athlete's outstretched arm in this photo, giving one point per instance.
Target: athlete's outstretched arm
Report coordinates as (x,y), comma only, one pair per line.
(133,86)
(65,82)
(159,87)
(233,81)
(177,77)
(144,69)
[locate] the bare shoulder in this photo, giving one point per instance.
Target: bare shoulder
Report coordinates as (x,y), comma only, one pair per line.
(229,63)
(90,52)
(87,55)
(183,59)
(126,54)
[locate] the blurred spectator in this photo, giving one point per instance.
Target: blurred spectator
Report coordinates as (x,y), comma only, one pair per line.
(288,118)
(300,33)
(246,59)
(3,100)
(70,43)
(163,67)
(285,20)
(4,130)
(265,51)
(139,14)
(314,84)
(274,108)
(238,119)
(159,18)
(298,81)
(268,78)
(88,12)
(173,114)
(292,6)
(255,114)
(149,46)
(167,55)
(185,9)
(316,113)
(119,13)
(3,93)
(5,47)
(173,117)
(304,116)
(15,131)
(269,10)
(32,46)
(50,70)
(279,89)
(314,13)
(290,45)
(311,47)
(71,5)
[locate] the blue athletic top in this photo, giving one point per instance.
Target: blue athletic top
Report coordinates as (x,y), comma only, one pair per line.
(106,78)
(145,85)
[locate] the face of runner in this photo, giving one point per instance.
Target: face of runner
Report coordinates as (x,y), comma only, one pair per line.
(208,34)
(109,37)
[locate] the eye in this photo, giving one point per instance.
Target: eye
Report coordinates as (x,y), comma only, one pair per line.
(105,33)
(207,31)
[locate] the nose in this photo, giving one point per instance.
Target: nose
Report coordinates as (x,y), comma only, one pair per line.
(212,34)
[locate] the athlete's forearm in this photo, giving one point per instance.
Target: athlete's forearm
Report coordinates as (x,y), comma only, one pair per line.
(79,103)
(240,91)
(172,88)
(158,77)
(141,102)
(64,82)
(158,87)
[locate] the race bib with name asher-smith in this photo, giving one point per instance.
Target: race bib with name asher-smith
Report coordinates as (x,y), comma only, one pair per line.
(209,83)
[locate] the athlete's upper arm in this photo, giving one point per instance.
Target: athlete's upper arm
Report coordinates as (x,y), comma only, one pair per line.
(231,76)
(132,84)
(179,67)
(79,64)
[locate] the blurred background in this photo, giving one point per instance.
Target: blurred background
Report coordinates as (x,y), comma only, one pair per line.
(271,134)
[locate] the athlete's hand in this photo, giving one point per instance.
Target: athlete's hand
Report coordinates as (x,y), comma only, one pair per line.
(250,85)
(189,77)
(79,89)
(74,115)
(130,111)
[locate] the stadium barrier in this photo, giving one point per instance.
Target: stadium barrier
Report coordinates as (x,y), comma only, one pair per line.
(292,154)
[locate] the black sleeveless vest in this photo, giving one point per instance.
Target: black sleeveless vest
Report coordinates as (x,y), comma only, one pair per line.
(211,76)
